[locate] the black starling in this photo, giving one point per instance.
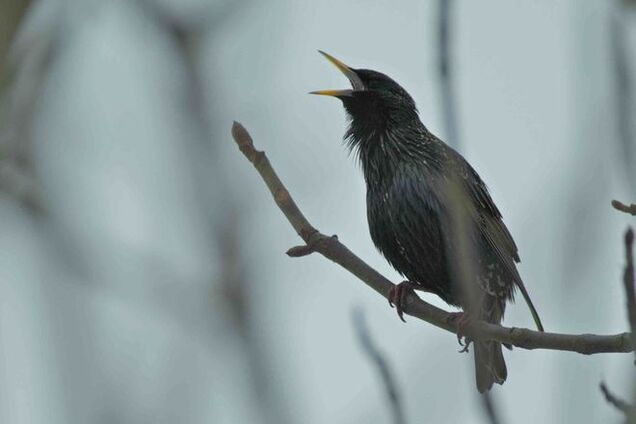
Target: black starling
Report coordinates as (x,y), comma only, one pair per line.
(429,212)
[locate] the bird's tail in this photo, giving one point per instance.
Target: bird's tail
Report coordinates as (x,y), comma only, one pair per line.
(490,366)
(526,297)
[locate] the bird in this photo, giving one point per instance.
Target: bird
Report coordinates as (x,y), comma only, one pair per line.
(429,213)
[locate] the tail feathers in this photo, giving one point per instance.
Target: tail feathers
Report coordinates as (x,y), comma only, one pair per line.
(490,366)
(533,311)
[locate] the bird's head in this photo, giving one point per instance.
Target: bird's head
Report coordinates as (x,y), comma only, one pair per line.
(375,103)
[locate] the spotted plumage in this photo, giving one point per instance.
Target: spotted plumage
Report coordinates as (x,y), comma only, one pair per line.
(429,212)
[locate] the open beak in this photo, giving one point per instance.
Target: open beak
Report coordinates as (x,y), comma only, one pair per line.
(354,79)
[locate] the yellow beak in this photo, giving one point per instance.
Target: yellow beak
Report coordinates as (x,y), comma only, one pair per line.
(354,79)
(338,64)
(332,93)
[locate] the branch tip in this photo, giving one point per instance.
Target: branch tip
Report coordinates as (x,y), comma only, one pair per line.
(240,134)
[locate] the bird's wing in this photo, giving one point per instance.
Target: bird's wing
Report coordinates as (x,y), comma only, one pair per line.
(494,231)
(491,226)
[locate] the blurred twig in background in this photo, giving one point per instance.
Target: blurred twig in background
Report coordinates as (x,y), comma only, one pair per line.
(23,65)
(488,405)
(620,404)
(11,14)
(447,92)
(628,282)
(235,288)
(630,295)
(332,249)
(187,31)
(447,97)
(624,87)
(468,265)
(374,354)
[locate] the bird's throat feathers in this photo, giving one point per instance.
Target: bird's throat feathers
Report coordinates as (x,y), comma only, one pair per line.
(381,137)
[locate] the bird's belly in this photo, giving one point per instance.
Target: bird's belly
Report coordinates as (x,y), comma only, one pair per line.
(408,234)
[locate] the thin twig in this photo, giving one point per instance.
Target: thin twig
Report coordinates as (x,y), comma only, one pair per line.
(376,357)
(626,408)
(630,209)
(333,249)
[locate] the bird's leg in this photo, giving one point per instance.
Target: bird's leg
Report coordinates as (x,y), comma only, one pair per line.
(461,319)
(399,292)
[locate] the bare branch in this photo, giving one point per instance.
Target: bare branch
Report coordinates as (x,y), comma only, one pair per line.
(333,249)
(630,209)
(620,404)
(369,347)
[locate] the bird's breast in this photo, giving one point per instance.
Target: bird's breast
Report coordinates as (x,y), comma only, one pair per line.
(404,222)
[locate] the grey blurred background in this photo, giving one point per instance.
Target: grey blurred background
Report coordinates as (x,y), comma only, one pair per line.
(142,269)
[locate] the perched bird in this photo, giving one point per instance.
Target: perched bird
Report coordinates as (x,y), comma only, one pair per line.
(429,213)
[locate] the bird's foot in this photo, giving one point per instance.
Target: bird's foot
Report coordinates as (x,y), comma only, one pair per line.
(397,296)
(461,319)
